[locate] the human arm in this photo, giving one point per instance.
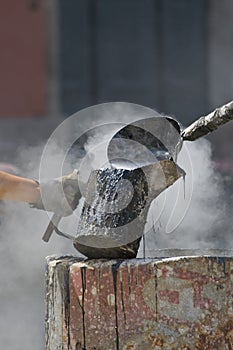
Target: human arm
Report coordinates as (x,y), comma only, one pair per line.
(18,188)
(60,195)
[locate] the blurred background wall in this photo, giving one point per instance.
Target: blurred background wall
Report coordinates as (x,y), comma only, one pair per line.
(60,56)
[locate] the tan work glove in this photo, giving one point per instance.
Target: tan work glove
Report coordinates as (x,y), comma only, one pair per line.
(60,195)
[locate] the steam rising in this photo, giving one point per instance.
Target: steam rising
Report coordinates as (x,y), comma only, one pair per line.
(191,215)
(23,252)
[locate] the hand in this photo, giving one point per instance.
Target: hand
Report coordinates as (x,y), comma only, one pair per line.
(60,195)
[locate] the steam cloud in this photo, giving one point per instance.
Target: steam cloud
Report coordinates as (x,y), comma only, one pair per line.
(194,214)
(23,252)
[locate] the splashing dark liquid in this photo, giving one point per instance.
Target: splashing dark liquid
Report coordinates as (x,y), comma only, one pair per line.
(116,206)
(119,197)
(114,214)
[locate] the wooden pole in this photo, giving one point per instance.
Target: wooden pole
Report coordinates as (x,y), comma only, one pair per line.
(207,124)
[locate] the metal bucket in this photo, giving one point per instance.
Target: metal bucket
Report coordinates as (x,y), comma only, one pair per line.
(142,157)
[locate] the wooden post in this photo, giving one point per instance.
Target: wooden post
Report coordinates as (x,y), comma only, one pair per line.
(209,123)
(137,304)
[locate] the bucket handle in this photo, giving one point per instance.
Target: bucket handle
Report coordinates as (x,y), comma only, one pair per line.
(53,226)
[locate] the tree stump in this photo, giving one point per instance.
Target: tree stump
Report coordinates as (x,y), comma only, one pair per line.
(137,304)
